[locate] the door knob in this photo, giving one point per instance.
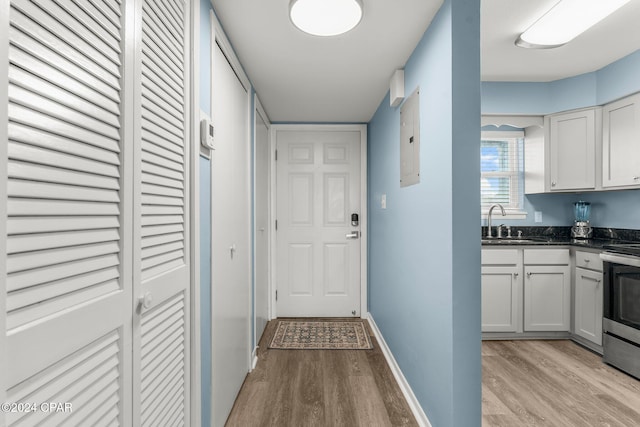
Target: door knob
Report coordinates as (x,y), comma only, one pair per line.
(353,235)
(145,301)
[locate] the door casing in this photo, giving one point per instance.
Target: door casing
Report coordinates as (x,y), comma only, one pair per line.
(363,203)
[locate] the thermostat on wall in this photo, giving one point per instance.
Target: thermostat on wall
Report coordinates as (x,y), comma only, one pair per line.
(206,133)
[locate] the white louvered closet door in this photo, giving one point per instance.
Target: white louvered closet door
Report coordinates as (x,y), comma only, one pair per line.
(68,297)
(161,278)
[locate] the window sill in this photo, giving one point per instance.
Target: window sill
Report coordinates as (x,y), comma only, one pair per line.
(514,214)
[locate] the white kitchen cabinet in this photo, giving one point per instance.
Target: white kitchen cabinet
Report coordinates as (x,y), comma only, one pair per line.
(501,290)
(500,302)
(572,140)
(621,143)
(547,290)
(588,296)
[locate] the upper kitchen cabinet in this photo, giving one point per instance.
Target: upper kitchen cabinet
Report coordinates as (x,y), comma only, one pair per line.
(621,143)
(572,140)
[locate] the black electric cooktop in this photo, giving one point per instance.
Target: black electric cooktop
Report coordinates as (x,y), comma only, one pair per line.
(624,248)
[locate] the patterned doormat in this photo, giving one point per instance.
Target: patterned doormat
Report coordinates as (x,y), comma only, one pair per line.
(321,335)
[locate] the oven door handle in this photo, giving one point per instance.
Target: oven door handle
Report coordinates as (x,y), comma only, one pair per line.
(620,259)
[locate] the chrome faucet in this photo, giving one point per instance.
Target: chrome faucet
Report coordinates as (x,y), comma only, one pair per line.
(489,235)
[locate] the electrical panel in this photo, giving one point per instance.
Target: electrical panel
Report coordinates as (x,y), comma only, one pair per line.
(410,140)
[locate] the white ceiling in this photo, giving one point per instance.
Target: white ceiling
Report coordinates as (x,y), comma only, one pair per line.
(502,21)
(302,78)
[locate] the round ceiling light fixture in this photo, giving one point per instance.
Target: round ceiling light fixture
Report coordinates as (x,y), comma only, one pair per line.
(325,17)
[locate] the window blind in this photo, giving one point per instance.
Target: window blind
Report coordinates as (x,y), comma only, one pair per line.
(502,168)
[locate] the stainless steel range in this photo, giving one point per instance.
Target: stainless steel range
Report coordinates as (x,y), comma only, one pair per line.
(621,323)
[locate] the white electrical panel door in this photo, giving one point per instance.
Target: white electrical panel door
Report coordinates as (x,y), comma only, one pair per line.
(410,141)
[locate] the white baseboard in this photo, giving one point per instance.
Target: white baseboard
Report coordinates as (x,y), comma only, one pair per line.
(414,405)
(254,359)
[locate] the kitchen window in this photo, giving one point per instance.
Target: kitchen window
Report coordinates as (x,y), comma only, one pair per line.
(502,172)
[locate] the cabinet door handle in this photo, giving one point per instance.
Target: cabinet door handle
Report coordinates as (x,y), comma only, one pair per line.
(590,278)
(529,274)
(553,183)
(515,275)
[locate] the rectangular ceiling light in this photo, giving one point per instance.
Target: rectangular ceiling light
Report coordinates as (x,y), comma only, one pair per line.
(566,20)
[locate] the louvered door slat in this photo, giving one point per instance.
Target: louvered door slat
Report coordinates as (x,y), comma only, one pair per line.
(97,22)
(150,18)
(164,56)
(42,122)
(74,372)
(50,16)
(161,139)
(93,411)
(164,396)
(168,106)
(33,295)
(45,156)
(160,115)
(159,180)
(22,315)
(48,55)
(70,100)
(150,147)
(26,261)
(151,83)
(64,81)
(44,190)
(172,15)
(31,242)
(69,270)
(160,239)
(110,9)
(57,110)
(47,38)
(158,390)
(160,171)
(98,157)
(29,171)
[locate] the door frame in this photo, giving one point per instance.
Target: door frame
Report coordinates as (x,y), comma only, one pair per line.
(260,111)
(362,128)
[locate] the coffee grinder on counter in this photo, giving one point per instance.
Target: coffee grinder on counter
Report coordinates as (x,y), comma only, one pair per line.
(581,228)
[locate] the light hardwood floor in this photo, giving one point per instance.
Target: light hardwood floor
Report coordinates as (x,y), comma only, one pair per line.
(554,383)
(320,388)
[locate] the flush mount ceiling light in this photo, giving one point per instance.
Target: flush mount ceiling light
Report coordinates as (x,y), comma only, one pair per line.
(566,20)
(325,17)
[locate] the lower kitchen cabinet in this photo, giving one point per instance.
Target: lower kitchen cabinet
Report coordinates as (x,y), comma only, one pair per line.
(547,298)
(500,298)
(588,295)
(502,290)
(547,290)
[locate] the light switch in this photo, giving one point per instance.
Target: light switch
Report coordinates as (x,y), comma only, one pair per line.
(383,201)
(537,216)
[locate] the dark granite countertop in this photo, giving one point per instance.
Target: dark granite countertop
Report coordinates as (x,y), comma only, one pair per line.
(561,236)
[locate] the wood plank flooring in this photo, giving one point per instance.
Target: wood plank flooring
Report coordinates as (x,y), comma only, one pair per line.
(554,383)
(320,388)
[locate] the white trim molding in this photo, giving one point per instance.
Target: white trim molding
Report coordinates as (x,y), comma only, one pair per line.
(411,399)
(362,128)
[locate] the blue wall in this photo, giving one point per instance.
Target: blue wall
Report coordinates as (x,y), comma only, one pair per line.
(424,271)
(616,209)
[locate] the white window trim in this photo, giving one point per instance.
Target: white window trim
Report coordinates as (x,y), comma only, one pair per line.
(510,212)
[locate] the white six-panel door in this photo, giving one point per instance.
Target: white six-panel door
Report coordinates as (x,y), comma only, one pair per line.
(318,250)
(96,212)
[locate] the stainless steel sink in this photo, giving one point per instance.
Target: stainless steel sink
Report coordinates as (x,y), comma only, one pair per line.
(516,241)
